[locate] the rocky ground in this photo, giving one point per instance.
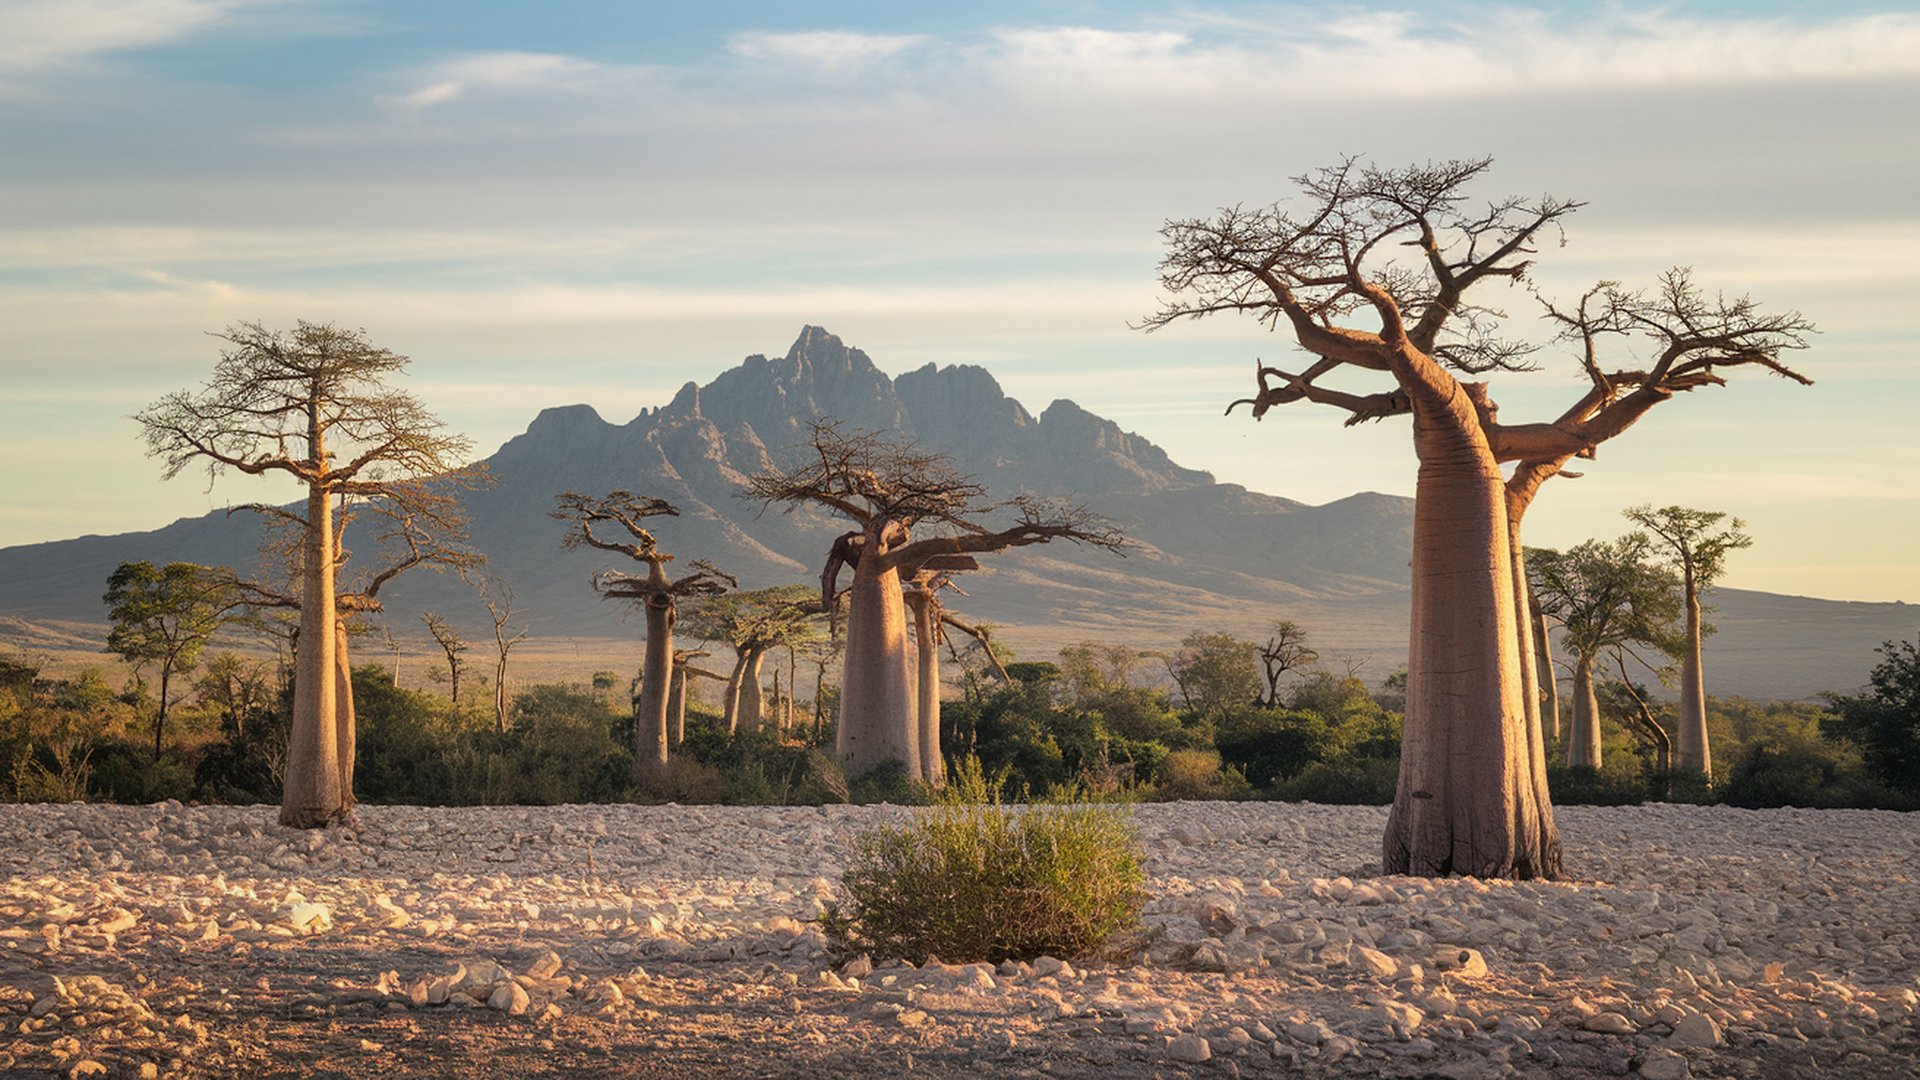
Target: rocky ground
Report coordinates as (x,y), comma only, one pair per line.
(674,941)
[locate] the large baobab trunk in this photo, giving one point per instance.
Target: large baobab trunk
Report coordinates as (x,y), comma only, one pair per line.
(876,703)
(347,733)
(750,700)
(310,796)
(656,674)
(933,767)
(1583,748)
(1693,754)
(1471,798)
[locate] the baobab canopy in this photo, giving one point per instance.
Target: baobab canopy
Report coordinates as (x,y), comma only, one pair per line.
(1378,275)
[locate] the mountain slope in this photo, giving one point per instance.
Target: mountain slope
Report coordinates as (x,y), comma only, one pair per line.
(1209,556)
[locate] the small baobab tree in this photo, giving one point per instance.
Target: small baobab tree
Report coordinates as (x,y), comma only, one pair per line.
(1695,546)
(1371,273)
(1606,597)
(890,489)
(623,514)
(754,623)
(930,622)
(312,404)
(684,672)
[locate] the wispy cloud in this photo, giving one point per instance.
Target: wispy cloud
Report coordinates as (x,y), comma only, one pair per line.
(828,50)
(482,74)
(36,35)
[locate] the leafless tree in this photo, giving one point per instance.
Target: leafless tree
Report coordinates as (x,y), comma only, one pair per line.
(622,514)
(1370,273)
(889,489)
(1285,650)
(498,597)
(452,644)
(312,404)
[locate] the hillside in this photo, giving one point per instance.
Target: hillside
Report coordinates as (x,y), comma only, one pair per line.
(1208,555)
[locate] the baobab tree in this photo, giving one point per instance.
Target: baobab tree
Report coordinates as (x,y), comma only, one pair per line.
(1697,551)
(311,404)
(930,620)
(754,623)
(1370,274)
(1606,597)
(684,672)
(889,489)
(655,592)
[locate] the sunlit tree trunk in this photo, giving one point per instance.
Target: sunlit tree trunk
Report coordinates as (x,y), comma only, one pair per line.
(344,720)
(1543,668)
(751,698)
(650,723)
(933,768)
(1583,748)
(677,709)
(1693,752)
(1471,797)
(876,702)
(311,794)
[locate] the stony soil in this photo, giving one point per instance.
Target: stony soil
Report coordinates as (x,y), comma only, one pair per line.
(674,941)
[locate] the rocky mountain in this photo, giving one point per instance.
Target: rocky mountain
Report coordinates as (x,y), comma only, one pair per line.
(1208,555)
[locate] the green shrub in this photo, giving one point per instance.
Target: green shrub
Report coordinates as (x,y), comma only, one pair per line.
(1270,745)
(1344,781)
(974,879)
(1622,780)
(1198,774)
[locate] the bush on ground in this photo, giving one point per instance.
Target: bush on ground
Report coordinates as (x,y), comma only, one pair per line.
(974,879)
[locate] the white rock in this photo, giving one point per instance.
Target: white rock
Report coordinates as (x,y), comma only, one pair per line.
(310,918)
(1663,1065)
(1373,962)
(510,998)
(1608,1023)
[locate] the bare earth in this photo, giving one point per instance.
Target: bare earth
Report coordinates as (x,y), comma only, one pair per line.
(671,941)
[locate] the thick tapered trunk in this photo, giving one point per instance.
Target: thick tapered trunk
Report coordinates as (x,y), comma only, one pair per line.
(1583,748)
(656,674)
(346,732)
(1472,793)
(933,768)
(1694,756)
(750,700)
(310,795)
(876,699)
(1543,669)
(730,697)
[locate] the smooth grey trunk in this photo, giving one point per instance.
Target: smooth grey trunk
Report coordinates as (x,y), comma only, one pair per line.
(876,703)
(1472,791)
(730,697)
(926,613)
(310,793)
(677,709)
(347,731)
(1583,748)
(1693,754)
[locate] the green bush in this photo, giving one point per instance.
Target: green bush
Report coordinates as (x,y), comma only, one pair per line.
(1622,780)
(1344,781)
(974,879)
(1198,774)
(1270,745)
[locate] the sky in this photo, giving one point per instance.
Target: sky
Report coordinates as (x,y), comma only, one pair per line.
(597,202)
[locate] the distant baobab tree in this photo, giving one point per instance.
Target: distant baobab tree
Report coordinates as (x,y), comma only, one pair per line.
(624,513)
(312,404)
(1370,273)
(1697,551)
(930,620)
(755,623)
(889,489)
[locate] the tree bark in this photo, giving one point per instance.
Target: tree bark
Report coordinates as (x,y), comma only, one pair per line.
(926,614)
(750,699)
(1695,756)
(1543,666)
(346,732)
(160,715)
(1584,747)
(1472,792)
(310,794)
(656,673)
(876,704)
(677,709)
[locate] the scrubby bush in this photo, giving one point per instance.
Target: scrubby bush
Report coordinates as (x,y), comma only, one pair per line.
(1270,745)
(1347,780)
(1621,780)
(1198,774)
(974,879)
